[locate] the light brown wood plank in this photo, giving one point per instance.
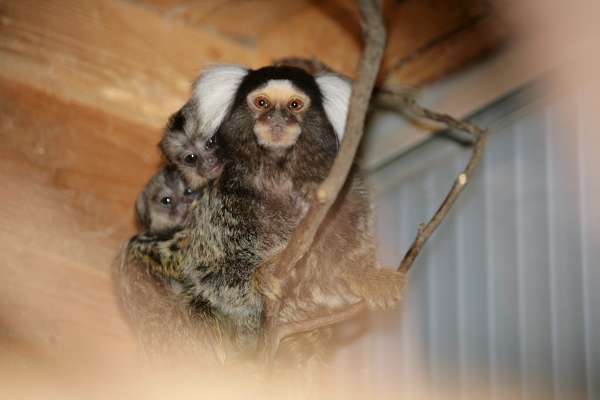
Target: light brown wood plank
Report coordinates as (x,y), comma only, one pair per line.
(331,32)
(418,31)
(479,37)
(70,176)
(247,22)
(168,6)
(110,55)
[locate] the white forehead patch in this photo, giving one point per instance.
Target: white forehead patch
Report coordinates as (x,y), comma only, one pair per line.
(336,98)
(280,90)
(276,85)
(215,92)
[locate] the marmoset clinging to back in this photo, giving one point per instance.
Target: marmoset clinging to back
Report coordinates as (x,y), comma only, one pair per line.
(162,208)
(189,145)
(148,277)
(164,202)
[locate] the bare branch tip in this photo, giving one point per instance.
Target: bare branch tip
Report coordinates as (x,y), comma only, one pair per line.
(321,195)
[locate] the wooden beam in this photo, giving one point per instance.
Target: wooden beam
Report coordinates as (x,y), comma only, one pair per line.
(70,175)
(109,55)
(137,62)
(450,52)
(427,39)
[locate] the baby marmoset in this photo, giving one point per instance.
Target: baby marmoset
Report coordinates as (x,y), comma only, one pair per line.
(162,208)
(148,275)
(189,145)
(164,202)
(189,148)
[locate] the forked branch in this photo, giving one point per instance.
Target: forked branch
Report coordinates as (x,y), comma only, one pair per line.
(375,38)
(398,101)
(405,104)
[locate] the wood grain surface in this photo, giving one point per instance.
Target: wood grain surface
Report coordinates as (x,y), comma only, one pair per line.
(70,175)
(85,89)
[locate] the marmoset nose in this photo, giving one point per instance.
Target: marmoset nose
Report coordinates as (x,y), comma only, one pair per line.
(277,120)
(277,128)
(181,208)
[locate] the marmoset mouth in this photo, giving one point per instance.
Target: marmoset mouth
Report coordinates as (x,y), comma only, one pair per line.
(214,171)
(276,136)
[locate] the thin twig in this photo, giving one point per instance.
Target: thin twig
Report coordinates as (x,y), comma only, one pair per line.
(406,104)
(296,327)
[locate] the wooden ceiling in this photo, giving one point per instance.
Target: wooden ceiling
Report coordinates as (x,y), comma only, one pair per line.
(136,59)
(85,89)
(421,32)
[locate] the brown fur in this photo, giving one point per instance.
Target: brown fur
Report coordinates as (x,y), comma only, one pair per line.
(163,325)
(339,269)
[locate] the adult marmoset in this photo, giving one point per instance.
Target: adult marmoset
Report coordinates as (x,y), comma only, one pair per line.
(278,143)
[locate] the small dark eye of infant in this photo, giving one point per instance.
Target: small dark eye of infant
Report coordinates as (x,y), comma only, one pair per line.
(190,159)
(188,191)
(166,201)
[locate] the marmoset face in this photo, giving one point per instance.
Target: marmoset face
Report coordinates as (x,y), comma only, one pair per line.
(278,108)
(191,150)
(165,202)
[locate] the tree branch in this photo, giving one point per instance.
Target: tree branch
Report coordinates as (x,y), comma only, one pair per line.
(403,102)
(303,237)
(300,242)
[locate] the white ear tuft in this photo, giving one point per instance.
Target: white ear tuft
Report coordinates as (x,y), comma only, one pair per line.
(336,98)
(215,92)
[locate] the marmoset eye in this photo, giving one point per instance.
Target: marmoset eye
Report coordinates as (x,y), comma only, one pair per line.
(210,143)
(262,102)
(190,159)
(295,105)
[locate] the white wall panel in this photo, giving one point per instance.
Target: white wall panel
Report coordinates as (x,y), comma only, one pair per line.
(506,295)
